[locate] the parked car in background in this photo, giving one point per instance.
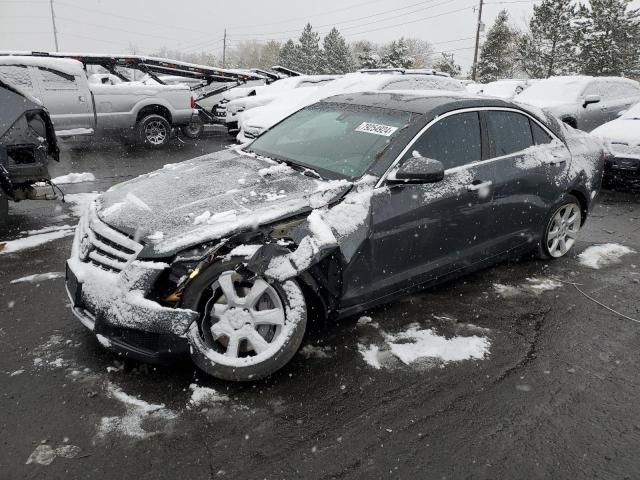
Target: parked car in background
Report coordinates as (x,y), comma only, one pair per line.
(622,136)
(269,93)
(257,120)
(581,101)
(149,112)
(27,143)
(347,204)
(219,107)
(506,89)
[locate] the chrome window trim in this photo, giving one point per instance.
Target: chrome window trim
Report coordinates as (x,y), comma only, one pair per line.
(393,165)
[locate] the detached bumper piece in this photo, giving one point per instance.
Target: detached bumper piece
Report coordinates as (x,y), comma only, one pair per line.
(622,168)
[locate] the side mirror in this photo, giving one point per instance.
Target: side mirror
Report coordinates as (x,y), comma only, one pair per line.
(589,99)
(417,170)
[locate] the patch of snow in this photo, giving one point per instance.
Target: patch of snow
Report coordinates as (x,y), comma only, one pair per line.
(202,218)
(48,229)
(312,351)
(104,341)
(543,284)
(370,355)
(415,344)
(205,396)
(80,202)
(45,455)
(16,373)
(32,241)
(534,286)
(72,132)
(246,251)
(598,256)
(132,198)
(364,320)
(38,277)
(156,236)
(137,413)
(74,178)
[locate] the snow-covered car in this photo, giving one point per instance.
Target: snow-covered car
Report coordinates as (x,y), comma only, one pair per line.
(263,96)
(27,142)
(78,107)
(255,121)
(622,136)
(506,89)
(581,101)
(347,204)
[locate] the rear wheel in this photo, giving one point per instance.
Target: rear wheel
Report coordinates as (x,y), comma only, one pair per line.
(154,131)
(561,230)
(248,328)
(193,130)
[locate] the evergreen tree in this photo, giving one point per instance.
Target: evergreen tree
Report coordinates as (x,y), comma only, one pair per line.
(497,55)
(398,55)
(548,48)
(448,65)
(368,57)
(337,55)
(308,51)
(608,37)
(288,56)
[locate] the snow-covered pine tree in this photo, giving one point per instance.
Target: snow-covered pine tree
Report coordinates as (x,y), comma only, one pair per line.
(447,64)
(548,49)
(497,55)
(337,55)
(368,57)
(288,56)
(398,55)
(309,53)
(609,38)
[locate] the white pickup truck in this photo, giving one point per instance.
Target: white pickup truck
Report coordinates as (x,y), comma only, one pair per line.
(78,107)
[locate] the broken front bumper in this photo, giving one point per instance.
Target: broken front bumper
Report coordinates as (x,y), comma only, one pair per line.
(112,303)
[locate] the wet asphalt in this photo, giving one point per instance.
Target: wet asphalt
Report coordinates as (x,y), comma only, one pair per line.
(558,396)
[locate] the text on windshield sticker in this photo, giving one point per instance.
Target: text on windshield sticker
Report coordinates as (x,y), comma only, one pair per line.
(376,128)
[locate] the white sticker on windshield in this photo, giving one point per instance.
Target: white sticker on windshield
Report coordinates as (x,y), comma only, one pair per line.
(376,128)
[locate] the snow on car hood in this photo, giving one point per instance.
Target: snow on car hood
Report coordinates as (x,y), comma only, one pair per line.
(211,197)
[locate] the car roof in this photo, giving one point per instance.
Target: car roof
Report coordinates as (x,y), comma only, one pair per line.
(432,103)
(419,101)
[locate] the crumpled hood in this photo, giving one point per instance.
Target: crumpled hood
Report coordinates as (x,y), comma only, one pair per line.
(210,197)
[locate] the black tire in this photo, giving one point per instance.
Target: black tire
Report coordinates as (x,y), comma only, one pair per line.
(545,249)
(4,209)
(193,130)
(153,131)
(211,350)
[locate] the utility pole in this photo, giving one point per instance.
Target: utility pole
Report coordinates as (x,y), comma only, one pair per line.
(53,20)
(224,49)
(475,54)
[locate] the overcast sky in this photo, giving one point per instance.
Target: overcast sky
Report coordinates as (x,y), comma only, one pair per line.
(114,26)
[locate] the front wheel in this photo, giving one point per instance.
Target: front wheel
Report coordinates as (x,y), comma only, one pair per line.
(248,327)
(561,230)
(154,131)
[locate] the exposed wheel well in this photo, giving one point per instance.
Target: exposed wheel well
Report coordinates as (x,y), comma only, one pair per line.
(584,205)
(572,122)
(154,109)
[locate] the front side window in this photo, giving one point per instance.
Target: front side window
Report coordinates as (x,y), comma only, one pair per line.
(337,140)
(509,132)
(540,137)
(454,141)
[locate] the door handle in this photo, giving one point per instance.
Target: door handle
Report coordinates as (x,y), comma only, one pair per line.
(477,185)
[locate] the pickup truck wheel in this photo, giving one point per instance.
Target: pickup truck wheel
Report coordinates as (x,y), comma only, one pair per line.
(193,130)
(154,131)
(248,328)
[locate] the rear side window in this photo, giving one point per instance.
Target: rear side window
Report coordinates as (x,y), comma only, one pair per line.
(18,75)
(454,140)
(509,132)
(54,80)
(540,137)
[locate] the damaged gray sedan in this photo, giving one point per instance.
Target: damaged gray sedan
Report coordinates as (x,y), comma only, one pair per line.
(346,204)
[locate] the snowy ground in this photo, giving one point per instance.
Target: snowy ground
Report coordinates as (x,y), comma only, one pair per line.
(508,373)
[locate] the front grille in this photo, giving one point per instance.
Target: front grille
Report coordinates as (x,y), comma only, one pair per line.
(105,247)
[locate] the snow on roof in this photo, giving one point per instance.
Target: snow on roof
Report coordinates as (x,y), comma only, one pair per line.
(64,65)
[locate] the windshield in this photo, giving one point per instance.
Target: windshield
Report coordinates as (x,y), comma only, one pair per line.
(336,140)
(553,91)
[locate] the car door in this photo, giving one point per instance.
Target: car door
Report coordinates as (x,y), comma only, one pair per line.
(531,167)
(420,232)
(67,98)
(593,115)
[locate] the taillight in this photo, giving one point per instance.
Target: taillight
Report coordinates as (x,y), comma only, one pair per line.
(193,102)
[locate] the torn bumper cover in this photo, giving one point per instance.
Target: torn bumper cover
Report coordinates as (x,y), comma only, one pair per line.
(112,302)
